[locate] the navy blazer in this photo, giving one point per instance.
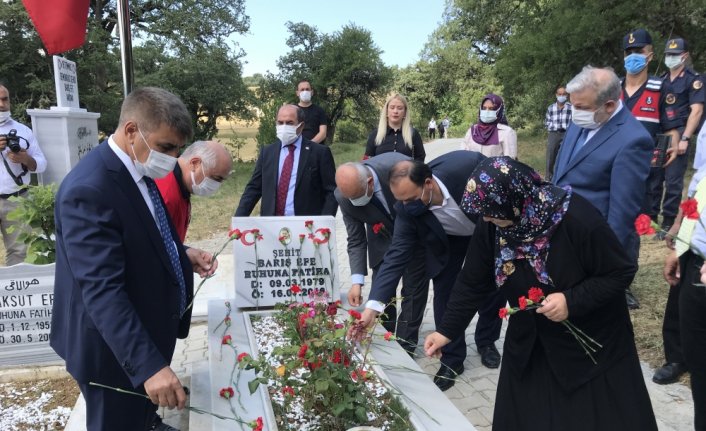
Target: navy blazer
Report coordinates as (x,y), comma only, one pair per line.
(115,316)
(610,171)
(453,170)
(313,193)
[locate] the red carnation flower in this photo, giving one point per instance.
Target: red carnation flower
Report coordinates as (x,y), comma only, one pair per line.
(388,336)
(309,224)
(227,339)
(288,390)
(227,320)
(234,234)
(643,225)
(502,313)
(242,356)
(295,289)
(535,295)
(355,314)
(377,227)
(690,208)
(302,351)
(227,393)
(301,238)
(523,302)
(257,424)
(332,309)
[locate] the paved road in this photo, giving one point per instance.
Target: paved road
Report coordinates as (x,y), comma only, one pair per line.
(474,393)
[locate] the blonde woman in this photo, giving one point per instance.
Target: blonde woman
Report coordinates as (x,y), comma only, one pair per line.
(395,132)
(490,135)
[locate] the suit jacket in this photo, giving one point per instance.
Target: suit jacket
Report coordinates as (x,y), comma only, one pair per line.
(588,264)
(116,297)
(358,218)
(610,170)
(452,169)
(313,193)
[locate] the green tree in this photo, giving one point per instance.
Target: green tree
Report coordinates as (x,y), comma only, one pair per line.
(345,69)
(199,51)
(536,45)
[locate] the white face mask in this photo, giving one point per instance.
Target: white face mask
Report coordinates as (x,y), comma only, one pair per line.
(305,96)
(363,200)
(585,119)
(488,116)
(287,133)
(4,117)
(561,99)
(673,61)
(207,187)
(157,165)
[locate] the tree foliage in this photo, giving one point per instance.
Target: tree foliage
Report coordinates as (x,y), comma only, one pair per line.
(537,45)
(181,45)
(344,68)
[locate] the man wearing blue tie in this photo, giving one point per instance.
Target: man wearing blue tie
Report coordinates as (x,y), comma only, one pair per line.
(123,277)
(606,153)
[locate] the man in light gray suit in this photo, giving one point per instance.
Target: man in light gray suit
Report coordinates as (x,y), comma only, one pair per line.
(364,196)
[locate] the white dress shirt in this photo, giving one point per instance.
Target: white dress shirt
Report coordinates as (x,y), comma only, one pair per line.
(7,184)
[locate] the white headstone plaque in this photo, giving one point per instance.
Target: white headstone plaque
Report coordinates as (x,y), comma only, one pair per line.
(26,298)
(66,83)
(274,253)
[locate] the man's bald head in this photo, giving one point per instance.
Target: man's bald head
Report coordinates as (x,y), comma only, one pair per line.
(352,179)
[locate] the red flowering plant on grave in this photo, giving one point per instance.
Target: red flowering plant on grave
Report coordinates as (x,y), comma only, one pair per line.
(532,301)
(314,368)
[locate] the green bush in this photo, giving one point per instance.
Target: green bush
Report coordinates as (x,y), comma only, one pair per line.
(36,210)
(350,131)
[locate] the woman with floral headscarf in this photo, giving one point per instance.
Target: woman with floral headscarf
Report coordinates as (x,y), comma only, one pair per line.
(490,135)
(533,234)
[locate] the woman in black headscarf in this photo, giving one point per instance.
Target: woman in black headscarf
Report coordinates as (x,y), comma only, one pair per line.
(534,234)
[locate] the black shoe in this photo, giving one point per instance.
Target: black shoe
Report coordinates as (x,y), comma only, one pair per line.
(489,356)
(445,378)
(158,425)
(669,373)
(633,303)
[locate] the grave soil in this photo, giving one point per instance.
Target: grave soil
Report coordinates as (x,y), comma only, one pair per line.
(19,396)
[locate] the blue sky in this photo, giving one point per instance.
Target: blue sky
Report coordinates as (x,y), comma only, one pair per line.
(399,28)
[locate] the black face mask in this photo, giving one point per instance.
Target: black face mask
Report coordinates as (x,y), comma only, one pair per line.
(417,207)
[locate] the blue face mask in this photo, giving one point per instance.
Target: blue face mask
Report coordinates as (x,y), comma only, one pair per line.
(417,207)
(634,63)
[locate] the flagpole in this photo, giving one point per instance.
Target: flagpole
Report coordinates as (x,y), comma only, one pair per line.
(125,44)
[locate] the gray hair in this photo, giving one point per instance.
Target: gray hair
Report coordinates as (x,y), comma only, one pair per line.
(590,79)
(362,171)
(203,150)
(152,107)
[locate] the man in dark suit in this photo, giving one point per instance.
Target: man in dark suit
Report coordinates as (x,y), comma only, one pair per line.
(365,199)
(606,154)
(123,278)
(294,176)
(428,212)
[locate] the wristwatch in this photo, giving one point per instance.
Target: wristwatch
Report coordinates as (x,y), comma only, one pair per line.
(684,138)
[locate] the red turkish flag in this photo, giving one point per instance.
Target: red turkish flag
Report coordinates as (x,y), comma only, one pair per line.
(60,23)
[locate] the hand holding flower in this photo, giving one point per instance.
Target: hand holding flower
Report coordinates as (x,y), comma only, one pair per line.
(433,344)
(201,262)
(554,307)
(359,330)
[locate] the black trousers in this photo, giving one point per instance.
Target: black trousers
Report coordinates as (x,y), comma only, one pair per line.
(692,320)
(554,141)
(415,290)
(673,179)
(109,410)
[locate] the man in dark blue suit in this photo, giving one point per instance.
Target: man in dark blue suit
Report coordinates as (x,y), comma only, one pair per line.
(606,154)
(294,176)
(428,212)
(123,277)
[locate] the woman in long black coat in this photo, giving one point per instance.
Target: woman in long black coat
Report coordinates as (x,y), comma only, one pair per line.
(534,234)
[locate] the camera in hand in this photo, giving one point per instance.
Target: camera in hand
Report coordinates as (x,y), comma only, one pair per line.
(13,141)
